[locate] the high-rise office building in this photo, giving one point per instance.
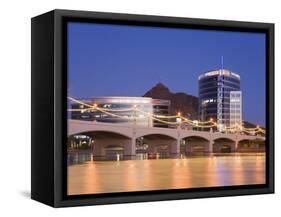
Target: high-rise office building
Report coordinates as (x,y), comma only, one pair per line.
(220,99)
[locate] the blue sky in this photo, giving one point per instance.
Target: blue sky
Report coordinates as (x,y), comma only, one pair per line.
(120,60)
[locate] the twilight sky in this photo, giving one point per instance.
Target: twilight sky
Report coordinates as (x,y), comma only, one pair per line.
(120,60)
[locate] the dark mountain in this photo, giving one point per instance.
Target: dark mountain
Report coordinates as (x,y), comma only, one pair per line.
(247,124)
(180,102)
(159,91)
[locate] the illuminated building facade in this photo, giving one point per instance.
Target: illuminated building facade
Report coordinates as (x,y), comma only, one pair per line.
(122,110)
(236,110)
(220,98)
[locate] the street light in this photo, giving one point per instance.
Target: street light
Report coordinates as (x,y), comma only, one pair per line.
(135,114)
(178,119)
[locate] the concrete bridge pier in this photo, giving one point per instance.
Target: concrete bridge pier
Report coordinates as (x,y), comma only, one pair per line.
(133,147)
(236,146)
(210,147)
(175,149)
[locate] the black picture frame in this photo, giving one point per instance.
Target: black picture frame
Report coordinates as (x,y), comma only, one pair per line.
(49,97)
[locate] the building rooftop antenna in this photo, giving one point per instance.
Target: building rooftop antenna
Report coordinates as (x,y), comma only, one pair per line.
(221,62)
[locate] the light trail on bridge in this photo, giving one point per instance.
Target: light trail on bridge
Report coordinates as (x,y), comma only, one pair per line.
(195,123)
(153,116)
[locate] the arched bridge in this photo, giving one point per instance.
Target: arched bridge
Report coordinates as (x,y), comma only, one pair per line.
(108,134)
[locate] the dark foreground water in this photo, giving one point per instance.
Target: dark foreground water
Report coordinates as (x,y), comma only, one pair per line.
(88,176)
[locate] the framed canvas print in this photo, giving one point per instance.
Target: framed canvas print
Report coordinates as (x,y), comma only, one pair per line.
(133,108)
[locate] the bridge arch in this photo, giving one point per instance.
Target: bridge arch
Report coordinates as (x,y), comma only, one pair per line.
(156,143)
(223,145)
(195,145)
(199,134)
(252,138)
(110,145)
(251,145)
(164,133)
(79,127)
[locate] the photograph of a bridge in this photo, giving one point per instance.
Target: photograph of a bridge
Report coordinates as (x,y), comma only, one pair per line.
(158,108)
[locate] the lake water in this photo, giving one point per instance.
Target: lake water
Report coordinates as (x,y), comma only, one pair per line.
(88,176)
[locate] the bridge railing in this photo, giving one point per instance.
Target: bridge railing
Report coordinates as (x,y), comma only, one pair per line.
(130,125)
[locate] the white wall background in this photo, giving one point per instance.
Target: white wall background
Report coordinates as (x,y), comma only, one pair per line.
(15,106)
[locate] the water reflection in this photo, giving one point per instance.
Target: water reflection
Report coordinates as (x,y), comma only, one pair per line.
(84,156)
(87,175)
